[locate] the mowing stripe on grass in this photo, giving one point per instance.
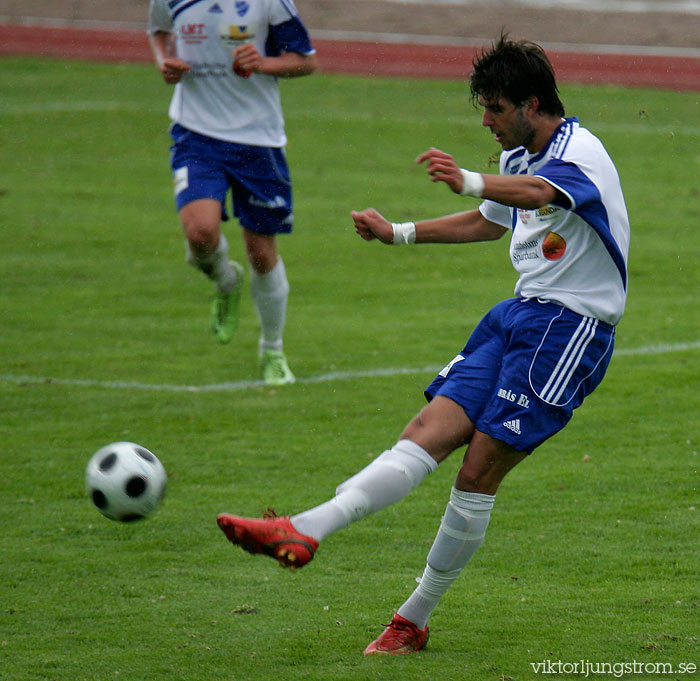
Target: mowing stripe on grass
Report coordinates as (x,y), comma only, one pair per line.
(233,386)
(636,127)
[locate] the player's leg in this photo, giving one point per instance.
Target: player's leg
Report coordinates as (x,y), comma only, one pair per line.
(200,220)
(207,250)
(200,191)
(551,347)
(441,426)
(459,537)
(207,247)
(269,288)
(469,381)
(439,429)
(262,201)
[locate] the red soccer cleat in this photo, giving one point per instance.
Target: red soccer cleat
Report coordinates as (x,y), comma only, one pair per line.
(273,535)
(399,638)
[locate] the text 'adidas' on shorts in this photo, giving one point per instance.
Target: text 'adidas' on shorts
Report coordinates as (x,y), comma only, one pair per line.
(525,368)
(205,168)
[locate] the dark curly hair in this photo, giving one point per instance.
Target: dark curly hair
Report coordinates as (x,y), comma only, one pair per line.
(516,71)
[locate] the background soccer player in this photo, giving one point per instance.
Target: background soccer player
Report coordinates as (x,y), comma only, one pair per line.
(530,361)
(228,132)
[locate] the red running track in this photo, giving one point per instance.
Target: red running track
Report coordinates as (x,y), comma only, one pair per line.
(368,58)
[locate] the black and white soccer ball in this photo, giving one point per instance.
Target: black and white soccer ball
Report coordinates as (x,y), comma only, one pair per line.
(125,481)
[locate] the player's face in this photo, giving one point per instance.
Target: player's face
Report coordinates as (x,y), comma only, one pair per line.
(507,122)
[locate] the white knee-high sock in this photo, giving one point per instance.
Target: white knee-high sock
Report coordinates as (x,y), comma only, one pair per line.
(460,535)
(389,478)
(270,292)
(216,266)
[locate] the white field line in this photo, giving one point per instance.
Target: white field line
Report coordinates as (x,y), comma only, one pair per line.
(235,386)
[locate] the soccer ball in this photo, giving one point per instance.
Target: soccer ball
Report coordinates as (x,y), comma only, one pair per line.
(125,481)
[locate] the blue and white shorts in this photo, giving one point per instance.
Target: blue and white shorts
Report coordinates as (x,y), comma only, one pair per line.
(525,368)
(205,168)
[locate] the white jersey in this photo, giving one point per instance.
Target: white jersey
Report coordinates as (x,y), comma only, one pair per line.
(574,253)
(212,100)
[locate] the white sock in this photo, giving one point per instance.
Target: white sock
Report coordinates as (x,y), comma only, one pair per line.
(461,533)
(216,266)
(389,478)
(270,292)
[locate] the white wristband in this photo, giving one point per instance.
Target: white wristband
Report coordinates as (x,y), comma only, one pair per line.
(472,183)
(404,232)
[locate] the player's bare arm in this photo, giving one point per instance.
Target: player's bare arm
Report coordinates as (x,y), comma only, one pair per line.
(465,227)
(370,224)
(523,191)
(459,228)
(171,67)
(288,65)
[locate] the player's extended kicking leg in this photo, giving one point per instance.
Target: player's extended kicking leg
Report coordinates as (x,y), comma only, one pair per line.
(390,477)
(440,428)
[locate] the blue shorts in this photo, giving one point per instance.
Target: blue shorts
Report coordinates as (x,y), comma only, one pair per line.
(525,368)
(205,168)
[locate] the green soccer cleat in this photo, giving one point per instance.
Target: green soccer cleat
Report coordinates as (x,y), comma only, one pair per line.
(274,368)
(224,309)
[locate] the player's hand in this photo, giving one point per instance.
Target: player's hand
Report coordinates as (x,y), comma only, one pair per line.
(172,69)
(370,225)
(246,60)
(442,168)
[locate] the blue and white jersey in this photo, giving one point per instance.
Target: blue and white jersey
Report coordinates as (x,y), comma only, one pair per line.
(212,100)
(573,252)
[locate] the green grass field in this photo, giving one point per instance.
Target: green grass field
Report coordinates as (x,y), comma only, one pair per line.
(592,553)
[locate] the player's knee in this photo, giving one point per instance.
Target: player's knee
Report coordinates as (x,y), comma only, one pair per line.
(486,462)
(202,237)
(470,479)
(481,479)
(262,253)
(437,435)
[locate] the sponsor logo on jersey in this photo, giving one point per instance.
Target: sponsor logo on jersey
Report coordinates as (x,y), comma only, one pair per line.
(193,34)
(543,214)
(238,33)
(235,35)
(553,246)
(546,211)
(525,250)
(204,70)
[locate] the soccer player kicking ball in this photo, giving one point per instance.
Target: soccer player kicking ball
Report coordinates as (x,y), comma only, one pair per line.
(531,360)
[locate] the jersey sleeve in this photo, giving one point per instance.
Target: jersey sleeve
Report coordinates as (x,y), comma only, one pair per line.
(575,186)
(584,198)
(289,36)
(159,17)
(497,212)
